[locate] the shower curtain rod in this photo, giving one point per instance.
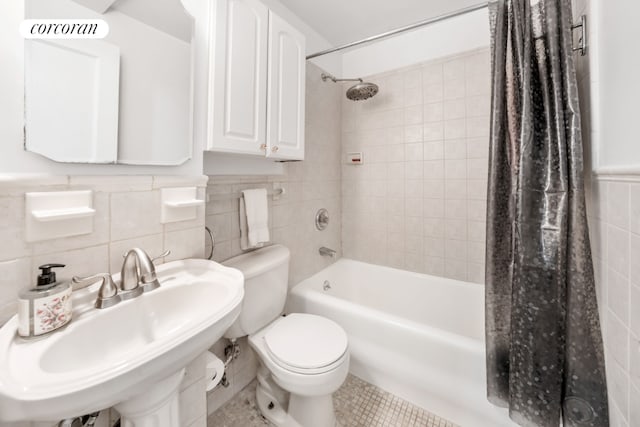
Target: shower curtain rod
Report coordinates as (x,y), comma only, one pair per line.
(402,29)
(582,47)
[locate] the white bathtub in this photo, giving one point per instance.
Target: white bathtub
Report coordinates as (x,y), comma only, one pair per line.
(419,337)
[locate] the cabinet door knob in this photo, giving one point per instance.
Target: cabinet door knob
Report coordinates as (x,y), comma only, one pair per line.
(263,147)
(274,148)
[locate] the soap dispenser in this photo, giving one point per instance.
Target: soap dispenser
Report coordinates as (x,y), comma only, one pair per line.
(46,307)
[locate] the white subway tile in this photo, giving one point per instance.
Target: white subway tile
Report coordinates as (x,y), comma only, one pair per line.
(634,208)
(634,304)
(414,170)
(618,249)
(478,106)
(434,247)
(434,266)
(618,200)
(475,272)
(478,148)
(414,152)
(455,169)
(454,109)
(184,244)
(135,214)
(455,269)
(433,92)
(478,169)
(618,295)
(477,231)
(455,149)
(454,69)
(618,387)
(478,84)
(477,127)
(414,188)
(477,210)
(432,74)
(456,189)
(456,229)
(412,78)
(433,189)
(455,209)
(12,229)
(433,131)
(413,115)
(413,96)
(414,207)
(454,88)
(617,339)
(634,360)
(434,208)
(15,276)
(433,170)
(434,227)
(455,129)
(413,133)
(395,153)
(434,150)
(433,112)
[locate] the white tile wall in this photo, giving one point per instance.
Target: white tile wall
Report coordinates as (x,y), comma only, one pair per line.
(419,200)
(616,250)
(127,216)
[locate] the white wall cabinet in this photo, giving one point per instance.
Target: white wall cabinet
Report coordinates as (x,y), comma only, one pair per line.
(257,82)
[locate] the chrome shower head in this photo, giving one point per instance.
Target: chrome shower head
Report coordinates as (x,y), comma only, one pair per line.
(362,91)
(358,92)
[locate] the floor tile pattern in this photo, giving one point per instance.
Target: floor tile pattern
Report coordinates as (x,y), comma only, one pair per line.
(357,403)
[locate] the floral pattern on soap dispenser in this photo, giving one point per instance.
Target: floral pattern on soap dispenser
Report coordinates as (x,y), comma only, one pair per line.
(54,313)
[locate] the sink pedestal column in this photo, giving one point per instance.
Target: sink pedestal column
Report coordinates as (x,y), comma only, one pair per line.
(156,408)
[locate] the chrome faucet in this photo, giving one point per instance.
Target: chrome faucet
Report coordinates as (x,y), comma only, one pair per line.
(138,273)
(327,252)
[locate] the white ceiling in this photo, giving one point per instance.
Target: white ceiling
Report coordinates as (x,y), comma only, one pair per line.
(344,21)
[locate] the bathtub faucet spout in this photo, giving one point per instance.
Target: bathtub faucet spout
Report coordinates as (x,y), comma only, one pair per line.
(327,252)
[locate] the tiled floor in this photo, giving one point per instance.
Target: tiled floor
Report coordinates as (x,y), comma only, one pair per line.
(357,403)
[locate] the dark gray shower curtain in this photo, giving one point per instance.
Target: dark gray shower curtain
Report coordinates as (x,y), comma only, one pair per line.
(544,347)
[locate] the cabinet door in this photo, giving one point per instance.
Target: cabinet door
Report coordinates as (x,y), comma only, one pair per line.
(238,92)
(286,93)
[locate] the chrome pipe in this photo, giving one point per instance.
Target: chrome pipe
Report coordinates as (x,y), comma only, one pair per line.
(402,29)
(327,76)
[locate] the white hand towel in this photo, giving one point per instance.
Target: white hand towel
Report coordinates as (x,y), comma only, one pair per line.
(254,219)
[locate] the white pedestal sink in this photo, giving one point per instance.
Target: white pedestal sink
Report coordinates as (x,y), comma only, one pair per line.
(131,356)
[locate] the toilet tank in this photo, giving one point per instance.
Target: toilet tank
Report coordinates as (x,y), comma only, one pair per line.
(266,277)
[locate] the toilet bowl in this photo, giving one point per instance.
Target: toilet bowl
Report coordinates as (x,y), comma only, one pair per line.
(307,356)
(304,358)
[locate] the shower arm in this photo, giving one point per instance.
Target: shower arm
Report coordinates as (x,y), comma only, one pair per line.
(326,77)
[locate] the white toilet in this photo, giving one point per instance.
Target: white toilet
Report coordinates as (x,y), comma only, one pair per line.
(304,358)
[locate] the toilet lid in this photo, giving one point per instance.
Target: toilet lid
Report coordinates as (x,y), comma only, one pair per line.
(306,341)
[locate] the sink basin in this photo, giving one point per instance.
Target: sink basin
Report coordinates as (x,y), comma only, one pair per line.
(109,356)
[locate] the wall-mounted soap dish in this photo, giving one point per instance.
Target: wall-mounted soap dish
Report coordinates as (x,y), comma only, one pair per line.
(55,214)
(179,204)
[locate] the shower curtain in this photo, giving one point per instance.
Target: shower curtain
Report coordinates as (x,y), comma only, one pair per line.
(544,346)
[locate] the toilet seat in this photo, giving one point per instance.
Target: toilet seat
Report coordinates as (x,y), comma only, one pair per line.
(306,343)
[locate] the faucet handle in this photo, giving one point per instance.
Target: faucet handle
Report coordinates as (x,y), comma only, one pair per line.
(108,292)
(162,255)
